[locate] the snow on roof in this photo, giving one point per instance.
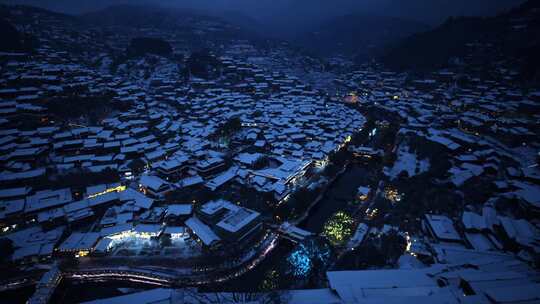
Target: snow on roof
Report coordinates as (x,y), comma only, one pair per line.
(172,163)
(313,296)
(359,235)
(90,190)
(148,228)
(34,235)
(154,155)
(259,180)
(295,231)
(237,219)
(180,209)
(452,254)
(89,240)
(279,187)
(80,241)
(51,214)
(12,176)
(248,158)
(158,295)
(191,181)
(407,261)
(210,208)
(442,227)
(521,231)
(286,171)
(210,162)
(14,192)
(139,198)
(175,230)
(352,285)
(30,250)
(152,182)
(103,244)
(528,192)
(103,199)
(76,206)
(259,143)
(10,207)
(48,198)
(490,216)
(203,232)
(444,141)
(363,190)
(479,241)
(529,293)
(117,229)
(462,174)
(473,221)
(221,179)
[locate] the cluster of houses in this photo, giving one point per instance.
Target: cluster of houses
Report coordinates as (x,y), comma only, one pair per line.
(127,217)
(469,277)
(485,129)
(152,137)
(155,136)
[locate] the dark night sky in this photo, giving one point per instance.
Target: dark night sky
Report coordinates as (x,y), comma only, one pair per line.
(299,12)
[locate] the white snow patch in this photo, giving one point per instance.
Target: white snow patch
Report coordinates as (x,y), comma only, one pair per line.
(408,162)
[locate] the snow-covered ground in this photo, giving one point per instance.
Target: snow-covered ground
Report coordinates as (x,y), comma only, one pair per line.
(408,162)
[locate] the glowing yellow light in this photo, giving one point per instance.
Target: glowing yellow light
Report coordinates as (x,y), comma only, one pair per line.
(392,195)
(81,253)
(338,228)
(115,189)
(351,98)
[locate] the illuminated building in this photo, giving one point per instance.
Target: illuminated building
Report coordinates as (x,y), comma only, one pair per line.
(229,221)
(176,232)
(148,231)
(363,193)
(392,195)
(154,186)
(351,98)
(79,243)
(109,190)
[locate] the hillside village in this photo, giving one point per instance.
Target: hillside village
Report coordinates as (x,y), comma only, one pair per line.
(190,163)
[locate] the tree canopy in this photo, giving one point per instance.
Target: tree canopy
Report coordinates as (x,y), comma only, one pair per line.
(203,64)
(142,46)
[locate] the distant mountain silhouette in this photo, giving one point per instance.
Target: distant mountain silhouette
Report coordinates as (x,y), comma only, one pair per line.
(514,34)
(231,24)
(358,34)
(11,39)
(142,16)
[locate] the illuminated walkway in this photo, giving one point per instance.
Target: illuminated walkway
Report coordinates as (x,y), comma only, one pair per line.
(175,277)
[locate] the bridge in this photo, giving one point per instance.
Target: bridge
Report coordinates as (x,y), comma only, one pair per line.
(46,286)
(123,274)
(173,278)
